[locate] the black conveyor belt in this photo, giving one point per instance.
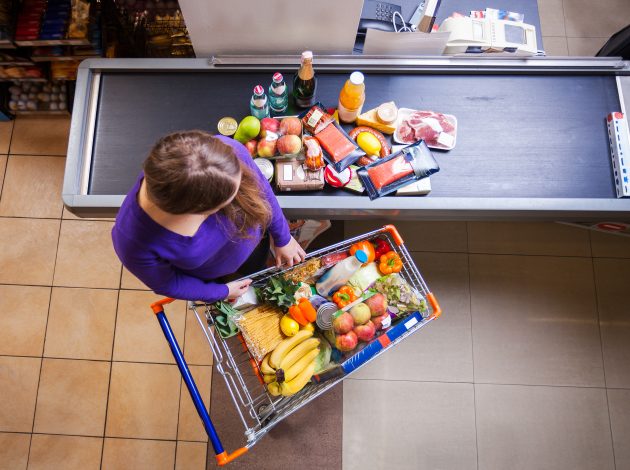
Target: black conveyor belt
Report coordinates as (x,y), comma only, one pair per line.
(518,135)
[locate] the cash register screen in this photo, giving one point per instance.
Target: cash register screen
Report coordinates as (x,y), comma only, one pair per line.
(514,34)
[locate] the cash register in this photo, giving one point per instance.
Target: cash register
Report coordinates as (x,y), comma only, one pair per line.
(489,35)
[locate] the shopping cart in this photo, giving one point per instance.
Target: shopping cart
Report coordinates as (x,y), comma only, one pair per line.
(258,410)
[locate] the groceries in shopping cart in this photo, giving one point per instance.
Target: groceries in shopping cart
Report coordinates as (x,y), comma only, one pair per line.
(261,329)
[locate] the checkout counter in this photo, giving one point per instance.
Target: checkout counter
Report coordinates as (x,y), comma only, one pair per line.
(532,140)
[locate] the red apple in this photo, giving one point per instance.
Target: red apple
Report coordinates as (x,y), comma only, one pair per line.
(343,323)
(289,144)
(365,332)
(383,322)
(377,304)
(268,124)
(291,125)
(267,146)
(346,342)
(251,146)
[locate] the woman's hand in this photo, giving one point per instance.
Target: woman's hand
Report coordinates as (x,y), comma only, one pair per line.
(237,288)
(290,254)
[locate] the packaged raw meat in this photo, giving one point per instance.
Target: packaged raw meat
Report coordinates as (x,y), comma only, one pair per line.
(316,119)
(341,151)
(436,129)
(389,174)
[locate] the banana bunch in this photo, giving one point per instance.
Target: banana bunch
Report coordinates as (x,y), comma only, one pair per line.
(290,366)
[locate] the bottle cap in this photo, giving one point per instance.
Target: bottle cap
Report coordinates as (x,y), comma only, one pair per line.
(258,90)
(277,77)
(361,256)
(356,78)
(307,55)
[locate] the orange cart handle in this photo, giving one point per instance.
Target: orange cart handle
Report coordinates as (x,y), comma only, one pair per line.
(393,231)
(225,458)
(437,310)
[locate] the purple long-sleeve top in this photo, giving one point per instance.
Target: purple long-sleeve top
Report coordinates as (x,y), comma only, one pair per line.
(184,267)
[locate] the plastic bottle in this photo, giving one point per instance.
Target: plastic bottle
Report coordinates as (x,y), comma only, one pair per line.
(338,275)
(278,94)
(305,82)
(259,104)
(351,98)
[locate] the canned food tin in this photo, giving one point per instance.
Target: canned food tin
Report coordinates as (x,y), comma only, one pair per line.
(265,166)
(227,126)
(325,315)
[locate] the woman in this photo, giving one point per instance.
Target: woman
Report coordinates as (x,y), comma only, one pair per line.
(196,214)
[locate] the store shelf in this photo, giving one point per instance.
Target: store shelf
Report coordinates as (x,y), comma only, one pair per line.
(53,42)
(17,63)
(65,112)
(25,79)
(44,58)
(6,44)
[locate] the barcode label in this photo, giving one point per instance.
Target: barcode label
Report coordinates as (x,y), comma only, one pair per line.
(410,323)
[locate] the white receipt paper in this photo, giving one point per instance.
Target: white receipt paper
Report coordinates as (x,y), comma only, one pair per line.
(389,43)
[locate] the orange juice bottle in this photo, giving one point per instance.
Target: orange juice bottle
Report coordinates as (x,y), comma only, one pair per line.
(351,98)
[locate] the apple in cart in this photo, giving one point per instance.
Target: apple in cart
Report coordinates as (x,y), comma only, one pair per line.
(343,323)
(365,332)
(360,313)
(346,342)
(377,304)
(267,146)
(383,322)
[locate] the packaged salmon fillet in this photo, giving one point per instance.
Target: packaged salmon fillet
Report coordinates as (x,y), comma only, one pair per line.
(340,150)
(399,169)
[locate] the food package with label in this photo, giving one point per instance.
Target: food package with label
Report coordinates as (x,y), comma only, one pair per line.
(292,176)
(404,167)
(438,130)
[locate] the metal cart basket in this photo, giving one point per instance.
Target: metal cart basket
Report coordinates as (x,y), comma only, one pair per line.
(258,410)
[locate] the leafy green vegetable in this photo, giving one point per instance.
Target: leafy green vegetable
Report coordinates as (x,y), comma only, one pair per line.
(224,319)
(278,291)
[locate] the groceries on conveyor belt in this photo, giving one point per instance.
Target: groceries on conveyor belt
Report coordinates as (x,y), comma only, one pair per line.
(301,324)
(343,146)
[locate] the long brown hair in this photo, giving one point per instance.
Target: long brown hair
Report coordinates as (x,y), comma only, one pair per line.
(192,172)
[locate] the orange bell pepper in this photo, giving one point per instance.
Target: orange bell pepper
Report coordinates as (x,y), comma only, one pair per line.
(307,309)
(366,247)
(390,263)
(344,296)
(296,313)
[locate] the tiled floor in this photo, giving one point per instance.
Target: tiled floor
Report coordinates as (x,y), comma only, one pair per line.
(528,367)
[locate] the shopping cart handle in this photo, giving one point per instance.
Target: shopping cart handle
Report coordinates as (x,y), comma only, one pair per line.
(222,456)
(437,310)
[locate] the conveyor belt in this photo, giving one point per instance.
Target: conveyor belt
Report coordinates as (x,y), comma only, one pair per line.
(519,135)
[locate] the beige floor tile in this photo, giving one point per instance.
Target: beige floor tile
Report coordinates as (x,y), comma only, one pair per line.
(3,165)
(14,450)
(442,351)
(136,454)
(190,427)
(611,277)
(81,323)
(555,46)
(40,136)
(534,321)
(31,259)
(551,18)
(418,236)
(23,314)
(6,128)
(18,380)
(139,337)
(619,407)
(585,19)
(191,456)
(527,238)
(129,281)
(521,427)
(606,245)
(197,350)
(72,397)
(408,425)
(32,187)
(86,256)
(143,401)
(50,452)
(585,47)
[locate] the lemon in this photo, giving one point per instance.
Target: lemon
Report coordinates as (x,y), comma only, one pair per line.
(369,143)
(289,326)
(309,327)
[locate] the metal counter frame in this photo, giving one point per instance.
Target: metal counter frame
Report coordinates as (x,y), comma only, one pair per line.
(82,131)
